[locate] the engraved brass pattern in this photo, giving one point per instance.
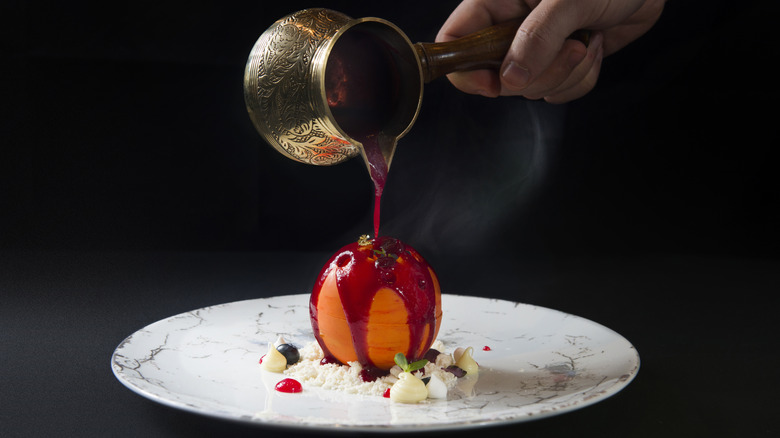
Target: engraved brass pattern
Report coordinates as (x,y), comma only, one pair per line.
(286,106)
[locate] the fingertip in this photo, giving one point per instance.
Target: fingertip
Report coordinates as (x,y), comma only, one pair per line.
(596,40)
(584,85)
(481,82)
(515,77)
(574,58)
(576,51)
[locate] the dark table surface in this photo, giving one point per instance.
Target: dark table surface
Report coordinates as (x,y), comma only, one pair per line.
(702,325)
(133,187)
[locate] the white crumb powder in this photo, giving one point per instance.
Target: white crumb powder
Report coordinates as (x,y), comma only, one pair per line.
(347,378)
(447,377)
(308,371)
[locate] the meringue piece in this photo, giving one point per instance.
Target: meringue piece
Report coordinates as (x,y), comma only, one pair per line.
(465,362)
(436,387)
(408,389)
(274,361)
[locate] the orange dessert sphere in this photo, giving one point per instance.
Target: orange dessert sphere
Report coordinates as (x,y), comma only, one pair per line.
(373,299)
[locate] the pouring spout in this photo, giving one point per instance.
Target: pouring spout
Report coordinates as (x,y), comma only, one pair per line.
(387,147)
(378,151)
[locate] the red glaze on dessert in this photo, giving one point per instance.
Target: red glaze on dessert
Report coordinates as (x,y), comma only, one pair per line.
(289,386)
(373,299)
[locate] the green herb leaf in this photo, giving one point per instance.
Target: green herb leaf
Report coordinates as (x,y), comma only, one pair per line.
(381,252)
(402,362)
(400,359)
(414,366)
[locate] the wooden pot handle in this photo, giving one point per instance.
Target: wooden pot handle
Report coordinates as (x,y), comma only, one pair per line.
(484,49)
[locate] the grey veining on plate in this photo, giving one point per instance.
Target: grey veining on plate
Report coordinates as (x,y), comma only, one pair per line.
(538,362)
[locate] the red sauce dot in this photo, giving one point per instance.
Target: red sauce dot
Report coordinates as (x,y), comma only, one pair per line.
(485,348)
(261,359)
(387,393)
(289,385)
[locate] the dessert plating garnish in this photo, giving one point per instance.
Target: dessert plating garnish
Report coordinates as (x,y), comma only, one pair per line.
(465,361)
(289,386)
(409,388)
(432,376)
(274,361)
(289,352)
(407,367)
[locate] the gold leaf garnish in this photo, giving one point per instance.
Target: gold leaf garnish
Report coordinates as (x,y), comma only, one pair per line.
(364,240)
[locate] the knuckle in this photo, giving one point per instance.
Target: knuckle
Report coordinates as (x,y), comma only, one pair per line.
(536,32)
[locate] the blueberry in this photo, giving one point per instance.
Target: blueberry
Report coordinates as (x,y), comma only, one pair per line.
(290,353)
(392,246)
(384,262)
(385,266)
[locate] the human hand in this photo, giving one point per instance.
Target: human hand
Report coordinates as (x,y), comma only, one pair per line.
(541,62)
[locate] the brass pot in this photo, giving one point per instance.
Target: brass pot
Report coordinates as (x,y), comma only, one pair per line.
(285,86)
(285,90)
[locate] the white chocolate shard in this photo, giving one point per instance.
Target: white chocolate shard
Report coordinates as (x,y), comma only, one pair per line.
(395,370)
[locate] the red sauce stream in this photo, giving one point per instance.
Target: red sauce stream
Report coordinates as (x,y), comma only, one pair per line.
(378,171)
(361,87)
(362,84)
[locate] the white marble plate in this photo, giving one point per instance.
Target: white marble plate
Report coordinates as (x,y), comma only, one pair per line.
(541,362)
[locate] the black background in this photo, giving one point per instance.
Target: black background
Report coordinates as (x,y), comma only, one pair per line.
(134,187)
